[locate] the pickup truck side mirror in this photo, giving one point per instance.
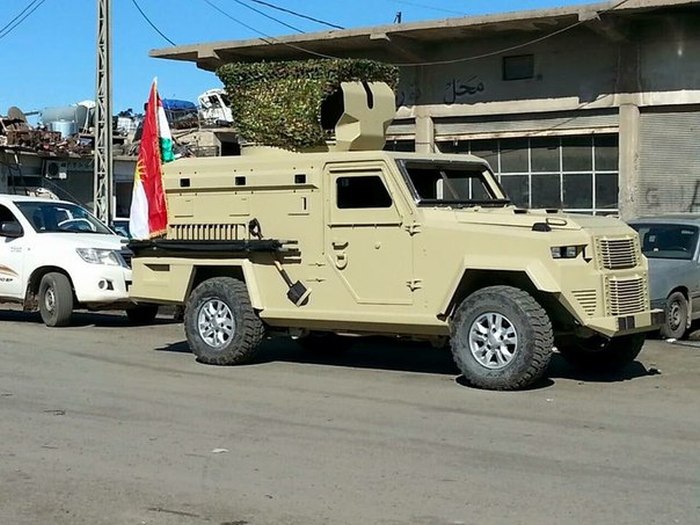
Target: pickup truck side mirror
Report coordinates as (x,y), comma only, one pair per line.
(11,229)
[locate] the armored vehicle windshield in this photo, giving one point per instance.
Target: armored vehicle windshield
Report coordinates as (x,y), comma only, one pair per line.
(452,183)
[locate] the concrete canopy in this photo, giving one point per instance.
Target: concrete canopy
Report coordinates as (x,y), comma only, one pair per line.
(411,43)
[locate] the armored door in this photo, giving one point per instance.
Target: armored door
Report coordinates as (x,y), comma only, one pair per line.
(366,240)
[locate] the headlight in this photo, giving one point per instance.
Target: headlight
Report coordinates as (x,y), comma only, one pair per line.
(100,256)
(566,252)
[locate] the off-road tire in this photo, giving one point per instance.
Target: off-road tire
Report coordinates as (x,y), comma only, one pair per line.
(55,300)
(602,356)
(676,311)
(330,344)
(142,314)
(534,333)
(248,329)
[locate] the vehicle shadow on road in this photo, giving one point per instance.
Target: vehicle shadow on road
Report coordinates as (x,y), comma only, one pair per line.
(560,368)
(368,353)
(421,358)
(82,319)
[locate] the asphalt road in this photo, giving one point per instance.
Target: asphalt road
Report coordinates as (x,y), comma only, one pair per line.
(102,423)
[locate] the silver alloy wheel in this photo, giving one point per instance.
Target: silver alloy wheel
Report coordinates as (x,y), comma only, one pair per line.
(493,340)
(215,323)
(50,299)
(674,315)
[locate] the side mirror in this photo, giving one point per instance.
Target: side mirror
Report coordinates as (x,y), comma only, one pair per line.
(11,229)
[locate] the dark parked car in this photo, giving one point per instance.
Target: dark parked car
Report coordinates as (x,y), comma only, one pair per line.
(670,243)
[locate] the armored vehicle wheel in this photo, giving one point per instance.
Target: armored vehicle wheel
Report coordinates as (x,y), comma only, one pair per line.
(142,313)
(220,324)
(321,343)
(501,338)
(55,299)
(601,355)
(676,316)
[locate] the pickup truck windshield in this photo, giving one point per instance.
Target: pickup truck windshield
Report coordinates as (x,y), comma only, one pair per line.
(58,217)
(452,184)
(667,241)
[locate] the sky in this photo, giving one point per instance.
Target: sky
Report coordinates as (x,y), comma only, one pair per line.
(50,58)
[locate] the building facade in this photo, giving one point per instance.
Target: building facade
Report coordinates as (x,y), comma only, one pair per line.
(69,178)
(592,108)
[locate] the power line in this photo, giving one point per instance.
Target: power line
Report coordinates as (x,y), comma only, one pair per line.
(270,40)
(297,14)
(264,37)
(18,15)
(148,20)
(285,24)
(433,8)
(17,20)
(510,48)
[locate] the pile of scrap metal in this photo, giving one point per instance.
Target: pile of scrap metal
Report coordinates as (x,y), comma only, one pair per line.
(17,134)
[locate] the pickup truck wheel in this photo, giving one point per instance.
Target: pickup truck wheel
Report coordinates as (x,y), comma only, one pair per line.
(220,324)
(676,316)
(597,354)
(55,299)
(142,314)
(501,338)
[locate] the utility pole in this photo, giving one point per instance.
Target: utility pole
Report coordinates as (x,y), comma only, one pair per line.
(103,183)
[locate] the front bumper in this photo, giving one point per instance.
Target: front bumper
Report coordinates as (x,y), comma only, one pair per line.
(641,322)
(102,284)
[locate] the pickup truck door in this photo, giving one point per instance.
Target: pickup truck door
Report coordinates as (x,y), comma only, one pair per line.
(12,248)
(367,242)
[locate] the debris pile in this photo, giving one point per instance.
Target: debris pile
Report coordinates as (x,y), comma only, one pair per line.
(17,134)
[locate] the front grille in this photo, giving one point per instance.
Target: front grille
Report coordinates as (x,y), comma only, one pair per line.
(588,301)
(207,232)
(618,254)
(626,296)
(127,255)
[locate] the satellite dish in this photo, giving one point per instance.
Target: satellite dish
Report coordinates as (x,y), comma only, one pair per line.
(14,113)
(17,118)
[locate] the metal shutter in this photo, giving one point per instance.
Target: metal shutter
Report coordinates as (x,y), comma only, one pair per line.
(669,162)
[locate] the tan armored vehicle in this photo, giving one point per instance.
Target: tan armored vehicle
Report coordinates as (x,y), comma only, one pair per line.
(357,241)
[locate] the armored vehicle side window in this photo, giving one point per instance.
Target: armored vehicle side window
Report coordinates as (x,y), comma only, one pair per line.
(366,191)
(452,184)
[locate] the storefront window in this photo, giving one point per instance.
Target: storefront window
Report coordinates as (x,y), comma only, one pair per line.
(545,154)
(488,150)
(577,153)
(576,173)
(517,187)
(578,190)
(514,155)
(606,190)
(606,152)
(400,145)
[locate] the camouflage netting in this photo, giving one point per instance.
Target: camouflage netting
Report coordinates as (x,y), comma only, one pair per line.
(279,103)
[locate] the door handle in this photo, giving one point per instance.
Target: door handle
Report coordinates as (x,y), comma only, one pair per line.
(341,260)
(339,245)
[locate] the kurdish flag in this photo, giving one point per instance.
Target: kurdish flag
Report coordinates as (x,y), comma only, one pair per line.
(148,216)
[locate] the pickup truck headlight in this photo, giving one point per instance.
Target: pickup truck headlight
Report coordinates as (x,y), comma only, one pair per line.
(100,256)
(566,252)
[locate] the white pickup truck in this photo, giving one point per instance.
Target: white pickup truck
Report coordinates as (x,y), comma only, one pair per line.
(56,257)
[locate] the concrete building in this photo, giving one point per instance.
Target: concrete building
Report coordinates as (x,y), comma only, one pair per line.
(69,177)
(593,108)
